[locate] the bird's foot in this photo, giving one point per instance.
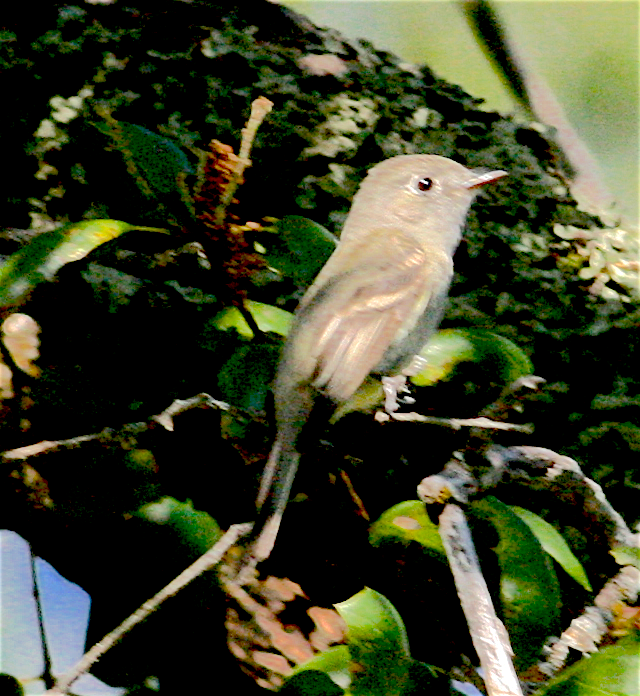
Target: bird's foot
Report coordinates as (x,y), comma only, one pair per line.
(392,386)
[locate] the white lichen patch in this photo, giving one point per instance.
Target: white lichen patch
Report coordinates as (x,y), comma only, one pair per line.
(608,255)
(344,116)
(65,110)
(50,133)
(533,244)
(42,222)
(112,62)
(339,173)
(46,129)
(44,171)
(424,117)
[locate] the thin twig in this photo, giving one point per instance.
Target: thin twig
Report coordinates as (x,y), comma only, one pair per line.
(181,405)
(588,629)
(543,469)
(165,419)
(454,423)
(487,632)
(37,448)
(205,562)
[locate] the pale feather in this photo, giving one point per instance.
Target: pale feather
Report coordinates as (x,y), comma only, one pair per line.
(362,312)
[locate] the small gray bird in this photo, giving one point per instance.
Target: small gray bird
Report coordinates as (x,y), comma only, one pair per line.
(372,307)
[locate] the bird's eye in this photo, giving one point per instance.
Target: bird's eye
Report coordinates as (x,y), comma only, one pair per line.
(424,184)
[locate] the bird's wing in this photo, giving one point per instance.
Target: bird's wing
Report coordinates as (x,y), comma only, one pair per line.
(354,317)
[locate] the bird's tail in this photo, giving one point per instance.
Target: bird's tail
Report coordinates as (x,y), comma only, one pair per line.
(277,479)
(273,496)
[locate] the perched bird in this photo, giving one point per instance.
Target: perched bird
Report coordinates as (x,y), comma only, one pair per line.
(372,307)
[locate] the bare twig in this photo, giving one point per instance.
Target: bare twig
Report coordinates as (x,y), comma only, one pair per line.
(588,629)
(181,405)
(543,469)
(487,632)
(28,451)
(205,562)
(454,423)
(114,434)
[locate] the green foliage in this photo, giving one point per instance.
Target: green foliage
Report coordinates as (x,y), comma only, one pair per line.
(404,523)
(529,589)
(194,528)
(311,682)
(267,318)
(245,377)
(553,543)
(300,248)
(39,260)
(502,359)
(158,166)
(377,658)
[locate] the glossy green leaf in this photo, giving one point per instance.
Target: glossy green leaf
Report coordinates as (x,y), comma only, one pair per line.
(267,318)
(613,671)
(333,662)
(156,163)
(245,378)
(376,661)
(231,318)
(407,522)
(270,318)
(627,555)
(447,348)
(299,248)
(378,644)
(529,589)
(553,543)
(310,682)
(195,527)
(369,614)
(49,251)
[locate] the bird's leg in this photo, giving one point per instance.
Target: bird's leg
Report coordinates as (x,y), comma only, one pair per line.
(393,386)
(397,384)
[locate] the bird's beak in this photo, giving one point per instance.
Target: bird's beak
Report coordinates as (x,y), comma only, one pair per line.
(482,177)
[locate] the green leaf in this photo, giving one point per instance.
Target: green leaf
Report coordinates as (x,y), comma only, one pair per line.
(300,249)
(378,644)
(39,260)
(613,671)
(157,164)
(196,528)
(267,318)
(447,348)
(407,522)
(553,543)
(376,661)
(529,589)
(244,380)
(310,682)
(369,614)
(333,662)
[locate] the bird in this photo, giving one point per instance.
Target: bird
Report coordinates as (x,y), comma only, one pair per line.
(370,310)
